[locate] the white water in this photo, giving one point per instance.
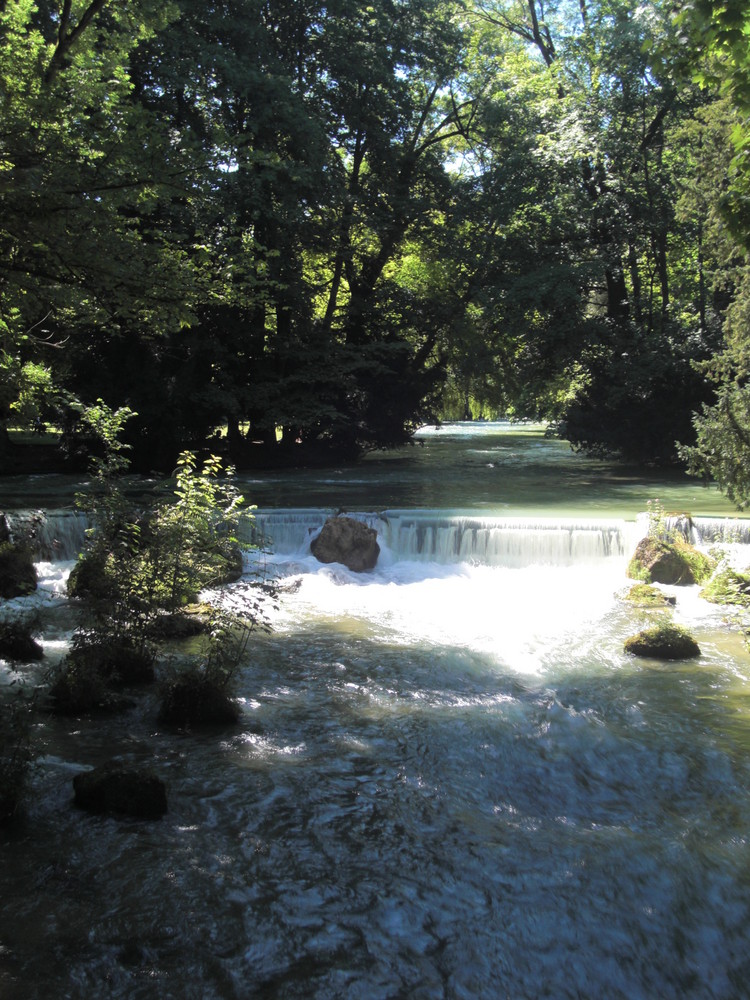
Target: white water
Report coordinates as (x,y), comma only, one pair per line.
(449,781)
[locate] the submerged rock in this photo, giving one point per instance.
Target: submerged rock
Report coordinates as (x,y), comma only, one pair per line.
(663,642)
(675,563)
(347,541)
(116,788)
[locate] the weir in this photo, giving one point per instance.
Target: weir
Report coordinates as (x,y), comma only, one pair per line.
(435,536)
(421,535)
(54,535)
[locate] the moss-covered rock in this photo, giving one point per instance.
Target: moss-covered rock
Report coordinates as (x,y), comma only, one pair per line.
(17,642)
(190,621)
(17,571)
(89,578)
(663,642)
(91,675)
(127,791)
(675,563)
(193,699)
(728,586)
(644,595)
(76,691)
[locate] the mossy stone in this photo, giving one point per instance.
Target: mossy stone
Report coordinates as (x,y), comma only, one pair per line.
(193,699)
(17,571)
(643,595)
(675,563)
(663,642)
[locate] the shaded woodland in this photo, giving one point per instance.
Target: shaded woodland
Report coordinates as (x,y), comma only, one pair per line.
(291,231)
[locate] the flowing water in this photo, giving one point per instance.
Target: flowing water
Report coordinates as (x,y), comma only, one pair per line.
(449,780)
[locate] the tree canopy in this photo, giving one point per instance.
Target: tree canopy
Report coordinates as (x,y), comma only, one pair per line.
(311,226)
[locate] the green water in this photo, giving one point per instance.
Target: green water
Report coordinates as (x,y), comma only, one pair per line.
(497,469)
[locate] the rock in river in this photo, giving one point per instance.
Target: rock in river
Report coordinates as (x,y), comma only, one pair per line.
(344,540)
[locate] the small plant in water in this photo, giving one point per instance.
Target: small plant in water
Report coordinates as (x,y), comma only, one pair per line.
(657,520)
(142,565)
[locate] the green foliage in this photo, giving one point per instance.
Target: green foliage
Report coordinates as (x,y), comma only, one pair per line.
(728,586)
(657,519)
(17,571)
(311,220)
(17,640)
(722,448)
(141,565)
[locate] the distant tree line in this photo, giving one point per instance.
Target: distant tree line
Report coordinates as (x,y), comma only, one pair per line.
(315,225)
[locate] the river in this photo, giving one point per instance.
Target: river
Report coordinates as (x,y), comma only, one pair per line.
(449,780)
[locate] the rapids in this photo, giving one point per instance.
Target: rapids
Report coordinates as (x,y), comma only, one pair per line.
(448,781)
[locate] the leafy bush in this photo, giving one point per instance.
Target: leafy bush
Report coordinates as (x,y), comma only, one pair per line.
(144,565)
(17,640)
(728,586)
(17,572)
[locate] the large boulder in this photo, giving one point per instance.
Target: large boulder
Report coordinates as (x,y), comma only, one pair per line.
(675,563)
(17,571)
(116,788)
(344,540)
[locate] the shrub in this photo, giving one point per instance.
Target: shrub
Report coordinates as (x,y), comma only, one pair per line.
(17,571)
(17,641)
(728,586)
(144,566)
(201,693)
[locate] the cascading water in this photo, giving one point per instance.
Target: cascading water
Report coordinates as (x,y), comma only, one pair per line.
(449,781)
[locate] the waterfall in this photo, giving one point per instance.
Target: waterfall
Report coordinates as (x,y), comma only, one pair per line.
(711,530)
(436,536)
(54,535)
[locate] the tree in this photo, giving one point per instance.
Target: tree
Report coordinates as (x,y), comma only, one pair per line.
(720,62)
(586,287)
(82,172)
